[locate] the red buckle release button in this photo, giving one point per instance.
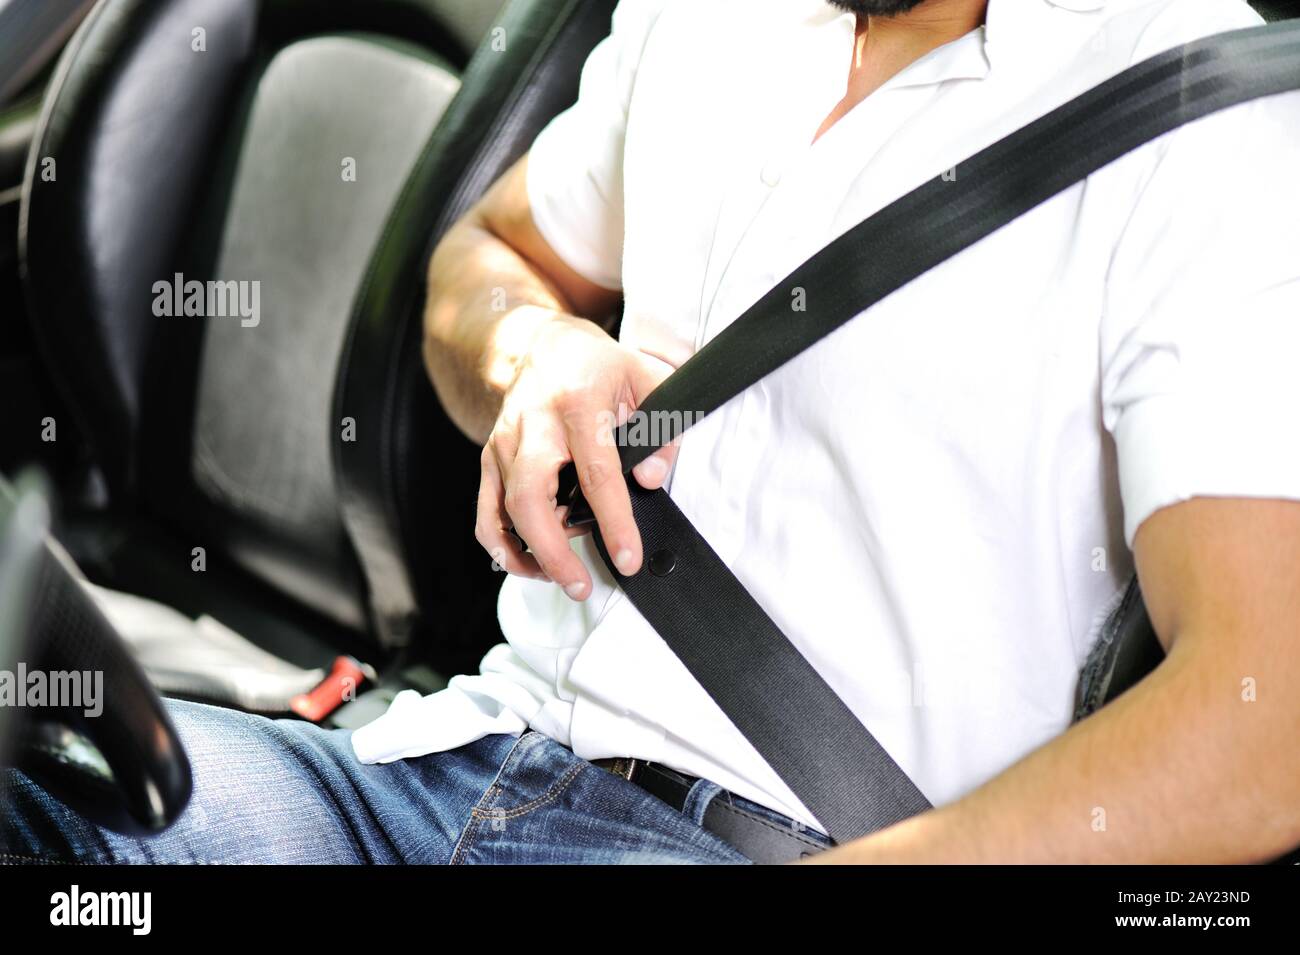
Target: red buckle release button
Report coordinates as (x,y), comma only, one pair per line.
(332,692)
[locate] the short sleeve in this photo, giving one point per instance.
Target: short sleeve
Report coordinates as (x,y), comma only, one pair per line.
(575,167)
(1200,339)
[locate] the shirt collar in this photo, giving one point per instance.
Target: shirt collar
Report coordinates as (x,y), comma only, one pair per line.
(1013,28)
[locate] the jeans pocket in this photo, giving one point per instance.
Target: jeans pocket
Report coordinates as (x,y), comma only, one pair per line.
(535,775)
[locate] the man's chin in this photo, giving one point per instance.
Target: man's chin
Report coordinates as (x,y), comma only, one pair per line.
(876,8)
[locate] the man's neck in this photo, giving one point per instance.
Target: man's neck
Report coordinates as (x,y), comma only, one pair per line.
(885,46)
(930,24)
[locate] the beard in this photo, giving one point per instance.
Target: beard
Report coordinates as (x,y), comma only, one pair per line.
(876,8)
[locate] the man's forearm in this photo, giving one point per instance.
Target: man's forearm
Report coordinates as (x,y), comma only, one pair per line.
(1180,769)
(484,307)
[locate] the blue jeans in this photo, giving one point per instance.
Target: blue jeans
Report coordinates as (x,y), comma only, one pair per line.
(282,791)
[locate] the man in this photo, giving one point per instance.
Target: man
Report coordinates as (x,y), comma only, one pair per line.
(937,505)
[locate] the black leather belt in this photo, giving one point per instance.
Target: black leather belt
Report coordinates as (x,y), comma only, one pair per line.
(756,837)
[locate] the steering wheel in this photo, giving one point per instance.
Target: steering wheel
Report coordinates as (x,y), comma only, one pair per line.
(113,754)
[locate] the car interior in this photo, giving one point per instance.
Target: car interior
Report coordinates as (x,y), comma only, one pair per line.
(302,490)
(229,517)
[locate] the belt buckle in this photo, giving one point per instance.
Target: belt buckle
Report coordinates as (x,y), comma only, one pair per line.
(621,766)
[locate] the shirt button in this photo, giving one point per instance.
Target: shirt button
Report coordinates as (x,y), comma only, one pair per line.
(771,174)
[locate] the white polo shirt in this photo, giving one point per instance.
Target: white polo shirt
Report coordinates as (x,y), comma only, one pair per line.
(936,503)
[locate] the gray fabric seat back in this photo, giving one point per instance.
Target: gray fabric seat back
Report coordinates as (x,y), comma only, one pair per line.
(207,185)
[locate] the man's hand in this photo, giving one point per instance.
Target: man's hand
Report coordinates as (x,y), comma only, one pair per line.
(574,384)
(519,371)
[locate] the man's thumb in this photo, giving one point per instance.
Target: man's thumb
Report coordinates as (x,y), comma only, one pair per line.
(653,471)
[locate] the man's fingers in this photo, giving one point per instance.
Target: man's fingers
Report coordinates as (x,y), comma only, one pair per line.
(600,476)
(653,471)
(521,476)
(647,374)
(530,490)
(491,527)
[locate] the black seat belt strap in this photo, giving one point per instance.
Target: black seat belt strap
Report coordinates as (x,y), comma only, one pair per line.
(791,716)
(759,678)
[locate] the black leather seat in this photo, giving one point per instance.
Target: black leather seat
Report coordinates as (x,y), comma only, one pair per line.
(310,154)
(1273,10)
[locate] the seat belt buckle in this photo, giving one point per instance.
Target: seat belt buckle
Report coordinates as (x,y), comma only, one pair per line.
(339,687)
(570,495)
